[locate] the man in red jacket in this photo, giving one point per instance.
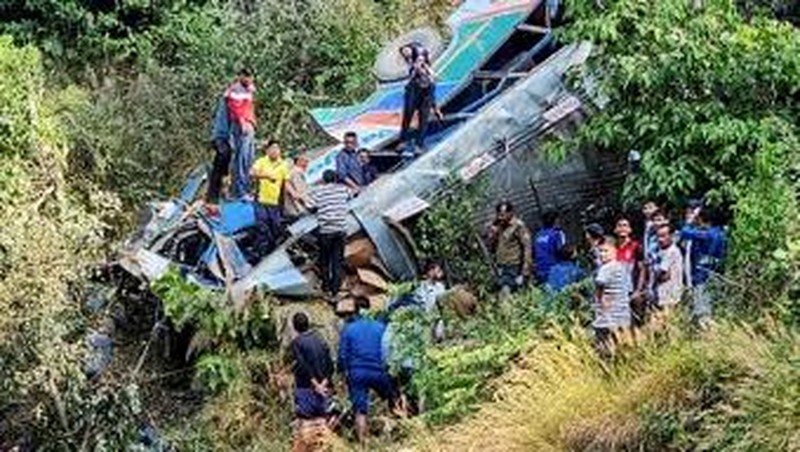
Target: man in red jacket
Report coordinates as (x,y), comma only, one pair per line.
(242,117)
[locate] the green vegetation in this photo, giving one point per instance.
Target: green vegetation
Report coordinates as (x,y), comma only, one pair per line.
(50,230)
(446,232)
(711,102)
(676,393)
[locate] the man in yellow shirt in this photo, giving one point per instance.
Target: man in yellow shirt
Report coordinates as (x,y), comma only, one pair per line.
(270,172)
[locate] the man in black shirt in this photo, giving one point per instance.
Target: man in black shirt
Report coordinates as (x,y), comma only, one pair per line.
(313,370)
(419,95)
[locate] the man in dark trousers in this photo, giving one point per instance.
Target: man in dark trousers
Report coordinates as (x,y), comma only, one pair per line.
(313,374)
(239,100)
(362,362)
(418,96)
(220,140)
(329,202)
(510,241)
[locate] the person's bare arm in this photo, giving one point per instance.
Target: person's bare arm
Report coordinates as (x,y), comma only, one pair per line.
(642,281)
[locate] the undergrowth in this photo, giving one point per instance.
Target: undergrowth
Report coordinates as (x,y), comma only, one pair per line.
(731,389)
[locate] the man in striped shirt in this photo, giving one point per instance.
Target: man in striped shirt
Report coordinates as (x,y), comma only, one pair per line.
(612,310)
(329,201)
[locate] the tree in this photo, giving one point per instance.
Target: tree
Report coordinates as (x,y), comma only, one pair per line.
(711,101)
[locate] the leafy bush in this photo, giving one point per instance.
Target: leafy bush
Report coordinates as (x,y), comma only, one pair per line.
(453,377)
(218,328)
(82,36)
(248,415)
(710,101)
(447,232)
(49,233)
(216,372)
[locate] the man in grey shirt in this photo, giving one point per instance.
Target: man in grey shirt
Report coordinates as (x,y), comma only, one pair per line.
(296,193)
(668,270)
(612,307)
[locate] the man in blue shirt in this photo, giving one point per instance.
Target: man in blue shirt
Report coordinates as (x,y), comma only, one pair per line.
(549,241)
(362,362)
(368,170)
(348,166)
(707,253)
(220,140)
(565,272)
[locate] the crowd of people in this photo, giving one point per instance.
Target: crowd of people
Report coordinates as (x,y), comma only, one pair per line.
(636,279)
(277,186)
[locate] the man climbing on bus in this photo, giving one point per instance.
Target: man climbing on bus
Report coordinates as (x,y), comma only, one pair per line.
(419,96)
(221,142)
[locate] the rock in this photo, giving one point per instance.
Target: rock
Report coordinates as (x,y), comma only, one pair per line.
(346,306)
(372,279)
(460,300)
(359,252)
(100,354)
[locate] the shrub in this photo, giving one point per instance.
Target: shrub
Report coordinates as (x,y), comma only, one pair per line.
(49,233)
(710,101)
(447,232)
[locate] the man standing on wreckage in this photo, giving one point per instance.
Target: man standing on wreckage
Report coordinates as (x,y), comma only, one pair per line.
(233,136)
(241,113)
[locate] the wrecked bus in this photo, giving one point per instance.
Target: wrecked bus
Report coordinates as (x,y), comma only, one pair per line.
(500,84)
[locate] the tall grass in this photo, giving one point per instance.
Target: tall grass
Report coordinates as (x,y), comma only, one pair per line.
(730,389)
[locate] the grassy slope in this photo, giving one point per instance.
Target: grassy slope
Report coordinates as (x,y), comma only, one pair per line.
(731,389)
